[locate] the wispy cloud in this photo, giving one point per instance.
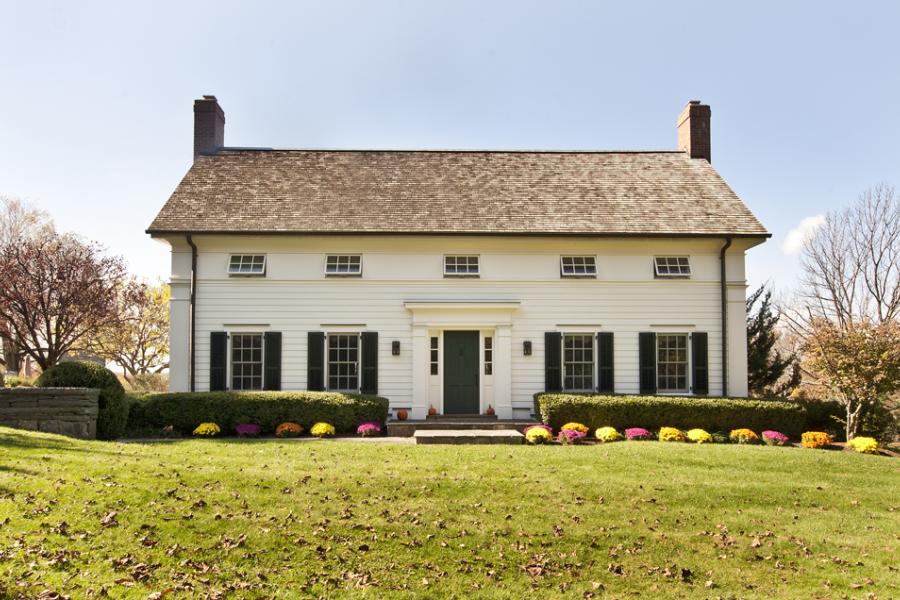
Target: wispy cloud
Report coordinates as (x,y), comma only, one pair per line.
(797,236)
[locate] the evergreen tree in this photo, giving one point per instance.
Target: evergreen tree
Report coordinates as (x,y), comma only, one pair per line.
(766,366)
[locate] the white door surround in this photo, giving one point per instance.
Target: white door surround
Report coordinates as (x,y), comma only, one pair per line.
(490,318)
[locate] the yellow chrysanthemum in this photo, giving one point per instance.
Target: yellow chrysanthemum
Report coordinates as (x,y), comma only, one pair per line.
(574,427)
(699,436)
(207,429)
(322,430)
(671,434)
(607,434)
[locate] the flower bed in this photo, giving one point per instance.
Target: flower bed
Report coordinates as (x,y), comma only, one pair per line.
(653,412)
(815,439)
(699,436)
(368,429)
(607,434)
(775,438)
(743,436)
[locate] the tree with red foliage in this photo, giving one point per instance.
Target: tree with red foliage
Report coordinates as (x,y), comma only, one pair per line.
(55,291)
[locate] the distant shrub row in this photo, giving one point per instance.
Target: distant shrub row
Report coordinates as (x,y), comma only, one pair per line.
(183,411)
(656,412)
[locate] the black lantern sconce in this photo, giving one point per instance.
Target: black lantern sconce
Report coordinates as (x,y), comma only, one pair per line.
(395,347)
(526,348)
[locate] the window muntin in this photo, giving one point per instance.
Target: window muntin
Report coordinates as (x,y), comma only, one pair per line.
(247,264)
(578,266)
(434,355)
(343,264)
(488,355)
(672,266)
(461,266)
(246,361)
(578,362)
(343,362)
(672,362)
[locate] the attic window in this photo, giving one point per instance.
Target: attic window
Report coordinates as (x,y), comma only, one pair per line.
(461,266)
(672,267)
(578,266)
(247,264)
(343,264)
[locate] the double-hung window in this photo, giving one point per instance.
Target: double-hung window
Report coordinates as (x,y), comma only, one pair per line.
(578,362)
(672,267)
(343,362)
(672,363)
(247,264)
(577,267)
(461,266)
(246,361)
(347,265)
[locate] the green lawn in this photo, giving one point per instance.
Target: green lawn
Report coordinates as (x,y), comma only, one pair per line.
(330,518)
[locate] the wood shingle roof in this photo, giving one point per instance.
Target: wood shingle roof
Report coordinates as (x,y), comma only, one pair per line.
(454,192)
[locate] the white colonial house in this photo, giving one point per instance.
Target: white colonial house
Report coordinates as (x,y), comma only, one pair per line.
(457,279)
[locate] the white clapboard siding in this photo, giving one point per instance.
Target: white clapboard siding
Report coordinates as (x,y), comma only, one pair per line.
(295,297)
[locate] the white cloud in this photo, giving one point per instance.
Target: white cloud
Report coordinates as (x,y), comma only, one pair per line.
(797,236)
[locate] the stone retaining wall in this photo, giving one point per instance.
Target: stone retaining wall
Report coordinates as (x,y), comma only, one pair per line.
(68,411)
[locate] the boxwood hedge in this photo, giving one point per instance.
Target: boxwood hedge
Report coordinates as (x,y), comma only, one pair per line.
(184,411)
(112,404)
(653,412)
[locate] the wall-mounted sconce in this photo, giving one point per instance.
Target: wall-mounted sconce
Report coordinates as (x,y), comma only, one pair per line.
(526,348)
(395,347)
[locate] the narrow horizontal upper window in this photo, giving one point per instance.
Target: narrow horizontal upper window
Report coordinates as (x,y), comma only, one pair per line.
(672,266)
(578,266)
(461,266)
(247,264)
(343,264)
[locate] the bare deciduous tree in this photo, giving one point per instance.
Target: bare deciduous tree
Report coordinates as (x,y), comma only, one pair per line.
(54,291)
(851,267)
(18,220)
(850,297)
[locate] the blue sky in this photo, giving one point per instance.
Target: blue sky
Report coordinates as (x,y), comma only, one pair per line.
(96,117)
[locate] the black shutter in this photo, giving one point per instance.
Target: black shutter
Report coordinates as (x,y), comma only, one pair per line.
(218,361)
(272,368)
(605,380)
(552,361)
(369,361)
(315,361)
(700,363)
(647,350)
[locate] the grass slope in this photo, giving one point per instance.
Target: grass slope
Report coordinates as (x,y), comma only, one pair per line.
(287,519)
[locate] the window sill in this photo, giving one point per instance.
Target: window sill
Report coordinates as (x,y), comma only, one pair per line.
(461,276)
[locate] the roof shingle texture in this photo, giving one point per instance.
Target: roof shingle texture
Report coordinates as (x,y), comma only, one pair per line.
(454,192)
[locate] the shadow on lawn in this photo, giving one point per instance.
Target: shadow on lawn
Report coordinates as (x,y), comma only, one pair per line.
(11,439)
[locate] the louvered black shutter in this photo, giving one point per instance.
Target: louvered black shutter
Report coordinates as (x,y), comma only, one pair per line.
(315,361)
(552,361)
(605,379)
(218,361)
(369,361)
(272,370)
(647,351)
(700,362)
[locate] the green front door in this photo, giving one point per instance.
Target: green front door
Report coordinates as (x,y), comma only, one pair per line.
(461,372)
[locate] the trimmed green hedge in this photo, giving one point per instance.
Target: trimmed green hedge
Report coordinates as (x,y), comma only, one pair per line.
(113,406)
(653,412)
(184,411)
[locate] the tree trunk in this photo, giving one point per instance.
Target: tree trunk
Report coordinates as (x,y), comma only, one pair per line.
(854,422)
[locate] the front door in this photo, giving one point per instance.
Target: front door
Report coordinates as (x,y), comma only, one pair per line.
(461,372)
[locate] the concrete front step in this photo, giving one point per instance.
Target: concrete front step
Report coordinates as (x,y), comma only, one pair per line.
(468,436)
(408,428)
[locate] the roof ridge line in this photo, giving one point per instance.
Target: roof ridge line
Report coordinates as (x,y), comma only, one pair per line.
(437,150)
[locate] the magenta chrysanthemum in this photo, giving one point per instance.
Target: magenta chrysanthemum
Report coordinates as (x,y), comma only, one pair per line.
(638,433)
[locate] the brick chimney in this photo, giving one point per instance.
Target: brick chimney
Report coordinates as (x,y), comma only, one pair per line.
(693,130)
(209,125)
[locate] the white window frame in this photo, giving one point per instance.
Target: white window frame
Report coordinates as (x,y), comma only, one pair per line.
(573,275)
(689,387)
(658,275)
(327,369)
(359,263)
(239,273)
(262,360)
(477,258)
(593,337)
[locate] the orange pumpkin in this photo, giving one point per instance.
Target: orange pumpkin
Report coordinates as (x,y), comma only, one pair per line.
(402,414)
